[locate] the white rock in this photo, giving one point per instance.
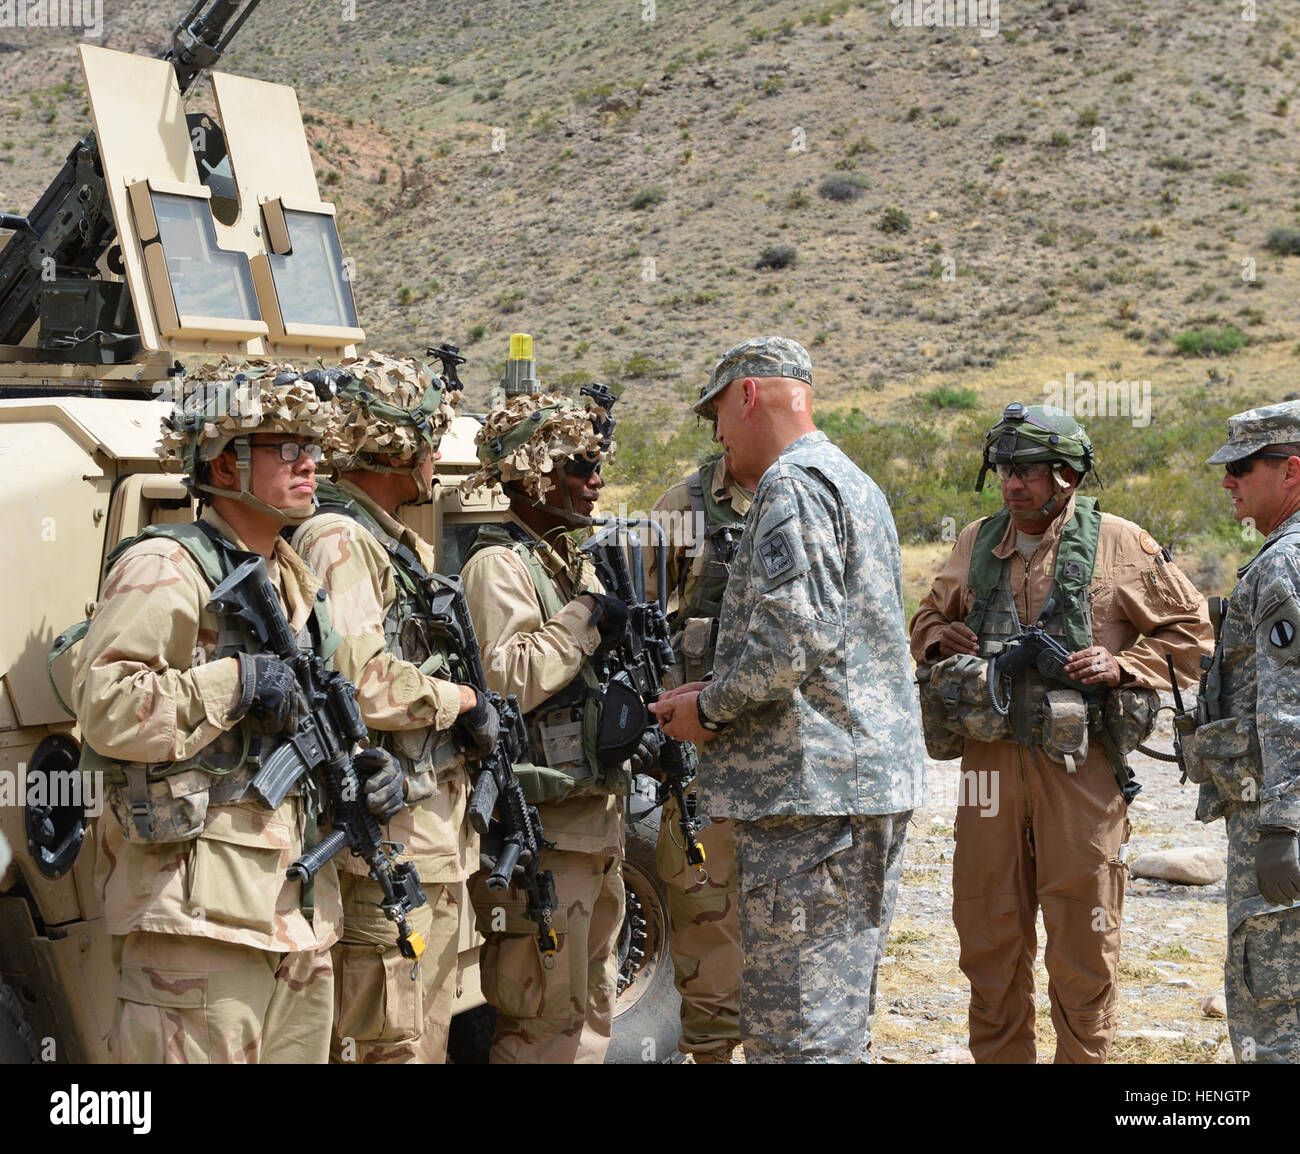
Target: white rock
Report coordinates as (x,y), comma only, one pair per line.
(1153,1035)
(954,1055)
(1179,983)
(1215,1006)
(1188,866)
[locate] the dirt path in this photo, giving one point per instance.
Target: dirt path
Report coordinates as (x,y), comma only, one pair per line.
(1172,955)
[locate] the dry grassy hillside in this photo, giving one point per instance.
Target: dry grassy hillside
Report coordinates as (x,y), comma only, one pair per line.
(1090,180)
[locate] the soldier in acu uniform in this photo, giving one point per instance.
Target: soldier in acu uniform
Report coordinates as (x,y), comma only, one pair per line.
(388,420)
(220,957)
(815,741)
(1246,752)
(540,618)
(1056,836)
(703,517)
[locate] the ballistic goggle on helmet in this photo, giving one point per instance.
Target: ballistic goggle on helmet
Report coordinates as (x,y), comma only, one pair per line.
(526,441)
(224,405)
(391,406)
(1028,434)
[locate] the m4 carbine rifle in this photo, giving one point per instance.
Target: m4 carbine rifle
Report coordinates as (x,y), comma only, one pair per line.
(645,655)
(325,738)
(514,841)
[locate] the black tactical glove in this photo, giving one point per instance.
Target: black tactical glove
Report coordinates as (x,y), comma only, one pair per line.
(481,725)
(610,617)
(269,690)
(647,750)
(1277,865)
(383,783)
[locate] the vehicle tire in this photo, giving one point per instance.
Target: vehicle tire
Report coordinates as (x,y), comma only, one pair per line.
(17,1042)
(647,1011)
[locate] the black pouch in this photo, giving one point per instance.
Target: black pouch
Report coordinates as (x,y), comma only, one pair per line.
(623,718)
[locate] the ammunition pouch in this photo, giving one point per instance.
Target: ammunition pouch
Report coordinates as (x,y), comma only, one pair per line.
(956,705)
(1130,716)
(694,646)
(1224,754)
(1065,727)
(579,748)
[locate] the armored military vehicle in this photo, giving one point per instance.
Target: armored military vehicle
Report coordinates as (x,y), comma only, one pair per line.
(204,235)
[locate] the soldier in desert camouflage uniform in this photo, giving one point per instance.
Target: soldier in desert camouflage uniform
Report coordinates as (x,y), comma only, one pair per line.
(1246,752)
(540,616)
(390,414)
(220,957)
(815,739)
(703,517)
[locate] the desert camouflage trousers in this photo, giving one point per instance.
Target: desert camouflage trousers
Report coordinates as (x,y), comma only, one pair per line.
(1261,973)
(185,999)
(817,897)
(564,1013)
(384,1009)
(703,935)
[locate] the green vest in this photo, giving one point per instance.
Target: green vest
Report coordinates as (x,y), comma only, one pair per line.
(720,521)
(240,748)
(570,719)
(408,636)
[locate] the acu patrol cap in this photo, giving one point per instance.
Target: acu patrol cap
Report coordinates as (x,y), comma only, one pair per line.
(1256,429)
(758,357)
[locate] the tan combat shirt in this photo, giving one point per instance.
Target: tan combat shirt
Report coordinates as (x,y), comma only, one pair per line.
(1142,605)
(534,659)
(145,690)
(392,694)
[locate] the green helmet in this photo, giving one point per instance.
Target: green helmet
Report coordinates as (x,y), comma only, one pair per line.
(388,405)
(1036,433)
(526,441)
(224,405)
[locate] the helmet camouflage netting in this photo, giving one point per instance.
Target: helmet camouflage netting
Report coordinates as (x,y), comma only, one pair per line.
(522,442)
(393,405)
(232,399)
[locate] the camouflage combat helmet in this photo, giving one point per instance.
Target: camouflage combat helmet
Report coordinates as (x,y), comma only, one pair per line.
(391,406)
(1036,433)
(525,441)
(223,405)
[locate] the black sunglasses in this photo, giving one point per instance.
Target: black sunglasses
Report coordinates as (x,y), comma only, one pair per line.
(581,467)
(1244,466)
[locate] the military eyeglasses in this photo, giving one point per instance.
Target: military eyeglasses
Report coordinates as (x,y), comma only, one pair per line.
(290,451)
(1034,471)
(1244,466)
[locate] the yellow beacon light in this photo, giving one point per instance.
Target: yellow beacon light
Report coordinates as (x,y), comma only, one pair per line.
(520,378)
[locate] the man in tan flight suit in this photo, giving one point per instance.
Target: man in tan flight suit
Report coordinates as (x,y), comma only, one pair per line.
(702,518)
(220,957)
(540,618)
(1042,816)
(389,416)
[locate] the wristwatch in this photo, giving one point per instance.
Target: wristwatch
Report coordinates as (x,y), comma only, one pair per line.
(706,721)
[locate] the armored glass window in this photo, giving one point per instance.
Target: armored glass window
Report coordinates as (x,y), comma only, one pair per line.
(206,281)
(310,283)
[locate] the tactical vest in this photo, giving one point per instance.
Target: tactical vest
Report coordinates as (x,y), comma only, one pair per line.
(167,801)
(562,731)
(427,755)
(694,624)
(994,619)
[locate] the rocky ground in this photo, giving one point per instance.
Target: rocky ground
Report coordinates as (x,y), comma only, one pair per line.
(1172,953)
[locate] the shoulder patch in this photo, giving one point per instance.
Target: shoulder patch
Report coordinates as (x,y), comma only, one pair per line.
(775,553)
(1148,543)
(1281,628)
